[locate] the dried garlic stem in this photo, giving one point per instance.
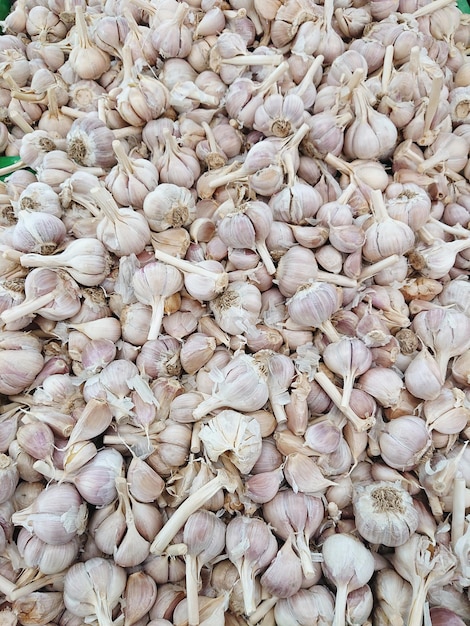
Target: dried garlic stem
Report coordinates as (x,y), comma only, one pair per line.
(34,585)
(127,131)
(123,159)
(378,207)
(417,605)
(387,67)
(336,279)
(192,589)
(347,193)
(307,80)
(375,268)
(29,96)
(12,168)
(431,7)
(75,113)
(254,59)
(433,102)
(262,610)
(7,587)
(329,330)
(28,307)
(22,124)
(336,396)
(458,230)
(223,480)
(49,471)
(458,509)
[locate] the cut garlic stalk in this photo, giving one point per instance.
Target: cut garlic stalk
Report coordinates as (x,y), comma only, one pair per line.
(336,396)
(193,503)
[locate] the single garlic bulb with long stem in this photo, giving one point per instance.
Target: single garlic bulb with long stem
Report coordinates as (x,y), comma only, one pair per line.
(204,536)
(251,547)
(247,226)
(153,283)
(348,565)
(241,385)
(348,357)
(387,236)
(131,180)
(85,259)
(122,230)
(200,280)
(86,59)
(49,292)
(313,304)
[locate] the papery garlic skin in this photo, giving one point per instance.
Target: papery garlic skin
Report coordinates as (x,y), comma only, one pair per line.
(233,433)
(384,513)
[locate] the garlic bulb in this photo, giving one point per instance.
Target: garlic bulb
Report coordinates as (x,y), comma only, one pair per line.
(251,547)
(348,565)
(122,230)
(57,515)
(384,513)
(93,589)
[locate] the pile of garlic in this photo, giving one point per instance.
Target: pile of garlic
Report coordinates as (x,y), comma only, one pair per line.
(251,221)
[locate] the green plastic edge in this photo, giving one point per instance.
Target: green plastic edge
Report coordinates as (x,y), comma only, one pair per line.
(464,5)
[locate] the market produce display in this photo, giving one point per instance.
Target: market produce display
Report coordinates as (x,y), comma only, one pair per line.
(235,313)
